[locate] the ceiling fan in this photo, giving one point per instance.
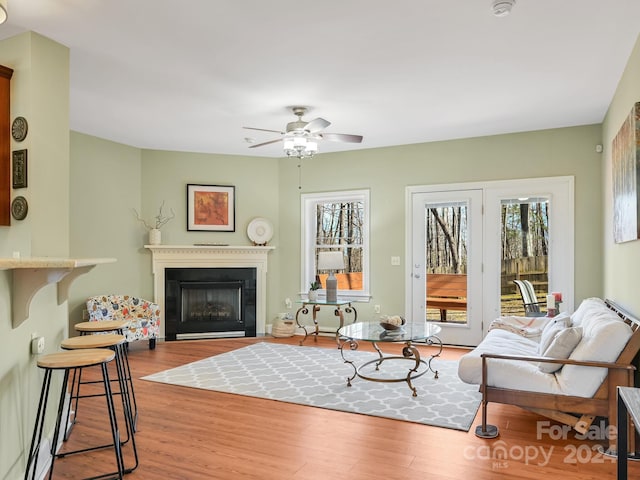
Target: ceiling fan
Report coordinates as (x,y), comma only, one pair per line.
(300,137)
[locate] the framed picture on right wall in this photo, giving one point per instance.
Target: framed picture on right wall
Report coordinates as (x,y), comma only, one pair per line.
(625,152)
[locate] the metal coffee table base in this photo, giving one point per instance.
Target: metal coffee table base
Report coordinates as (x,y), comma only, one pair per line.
(409,352)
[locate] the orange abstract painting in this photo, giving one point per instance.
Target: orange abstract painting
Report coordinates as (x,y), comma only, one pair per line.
(211,208)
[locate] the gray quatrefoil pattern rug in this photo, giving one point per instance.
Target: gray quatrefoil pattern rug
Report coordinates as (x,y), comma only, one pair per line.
(318,377)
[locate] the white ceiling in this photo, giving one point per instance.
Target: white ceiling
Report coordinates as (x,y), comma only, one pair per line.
(189,75)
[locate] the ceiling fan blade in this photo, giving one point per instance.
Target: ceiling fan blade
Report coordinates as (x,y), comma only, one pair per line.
(341,137)
(264,130)
(265,143)
(316,125)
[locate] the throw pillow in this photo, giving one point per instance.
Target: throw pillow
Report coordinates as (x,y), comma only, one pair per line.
(551,329)
(561,347)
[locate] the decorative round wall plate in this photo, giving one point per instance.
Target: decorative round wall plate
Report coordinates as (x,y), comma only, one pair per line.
(260,231)
(19,208)
(19,129)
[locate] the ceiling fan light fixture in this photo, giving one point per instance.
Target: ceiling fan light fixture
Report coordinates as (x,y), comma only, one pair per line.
(299,146)
(312,147)
(300,139)
(502,8)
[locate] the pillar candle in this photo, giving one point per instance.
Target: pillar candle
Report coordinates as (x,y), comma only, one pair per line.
(551,301)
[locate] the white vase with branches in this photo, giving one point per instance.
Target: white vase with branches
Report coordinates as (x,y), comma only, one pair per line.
(155,236)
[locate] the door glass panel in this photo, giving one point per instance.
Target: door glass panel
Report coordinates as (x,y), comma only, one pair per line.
(446,255)
(525,256)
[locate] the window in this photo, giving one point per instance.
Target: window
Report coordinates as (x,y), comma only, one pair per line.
(337,221)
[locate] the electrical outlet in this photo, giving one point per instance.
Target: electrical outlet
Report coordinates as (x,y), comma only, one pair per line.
(287,302)
(395,261)
(37,345)
(376,308)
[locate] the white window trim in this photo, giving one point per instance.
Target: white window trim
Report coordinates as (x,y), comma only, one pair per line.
(307,247)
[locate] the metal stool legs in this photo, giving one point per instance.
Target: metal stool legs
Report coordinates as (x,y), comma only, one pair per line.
(116,343)
(106,327)
(66,362)
(124,372)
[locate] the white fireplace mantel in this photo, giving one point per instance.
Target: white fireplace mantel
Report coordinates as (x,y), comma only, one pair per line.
(211,256)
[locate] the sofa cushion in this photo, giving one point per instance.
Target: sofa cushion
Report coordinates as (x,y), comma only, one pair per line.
(551,329)
(562,345)
(518,375)
(604,336)
(586,307)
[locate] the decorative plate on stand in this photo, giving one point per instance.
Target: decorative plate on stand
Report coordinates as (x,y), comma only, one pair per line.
(260,231)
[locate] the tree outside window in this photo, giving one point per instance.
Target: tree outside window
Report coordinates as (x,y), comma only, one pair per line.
(337,221)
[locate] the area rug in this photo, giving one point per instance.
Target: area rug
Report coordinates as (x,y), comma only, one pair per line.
(318,377)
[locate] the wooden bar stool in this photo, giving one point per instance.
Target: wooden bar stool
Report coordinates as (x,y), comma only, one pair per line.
(103,327)
(87,328)
(67,361)
(117,343)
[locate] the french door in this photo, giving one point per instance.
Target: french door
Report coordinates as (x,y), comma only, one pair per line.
(446,268)
(467,243)
(546,259)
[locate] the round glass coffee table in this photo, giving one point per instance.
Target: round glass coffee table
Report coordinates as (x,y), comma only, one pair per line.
(411,334)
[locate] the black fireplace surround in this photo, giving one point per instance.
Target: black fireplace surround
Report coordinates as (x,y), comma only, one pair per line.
(210,303)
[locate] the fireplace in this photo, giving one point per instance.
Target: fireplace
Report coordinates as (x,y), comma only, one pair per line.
(210,303)
(211,257)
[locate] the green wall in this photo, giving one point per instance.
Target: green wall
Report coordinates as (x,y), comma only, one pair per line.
(81,200)
(105,178)
(165,176)
(40,93)
(388,171)
(621,261)
(110,180)
(270,188)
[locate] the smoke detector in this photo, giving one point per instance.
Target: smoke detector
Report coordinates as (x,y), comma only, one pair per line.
(502,8)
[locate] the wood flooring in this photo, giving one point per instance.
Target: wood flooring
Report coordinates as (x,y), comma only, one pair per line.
(186,433)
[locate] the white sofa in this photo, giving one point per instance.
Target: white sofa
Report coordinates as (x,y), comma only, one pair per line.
(591,352)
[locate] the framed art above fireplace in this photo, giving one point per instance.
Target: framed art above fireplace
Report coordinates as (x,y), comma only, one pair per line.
(211,208)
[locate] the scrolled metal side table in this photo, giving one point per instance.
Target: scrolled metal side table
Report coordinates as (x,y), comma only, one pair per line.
(341,307)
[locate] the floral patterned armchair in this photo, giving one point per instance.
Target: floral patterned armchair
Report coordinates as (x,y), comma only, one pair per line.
(143,315)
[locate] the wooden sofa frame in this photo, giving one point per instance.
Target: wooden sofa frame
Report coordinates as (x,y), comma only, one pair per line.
(577,412)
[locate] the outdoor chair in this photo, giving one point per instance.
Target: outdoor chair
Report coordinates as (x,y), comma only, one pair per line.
(529,298)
